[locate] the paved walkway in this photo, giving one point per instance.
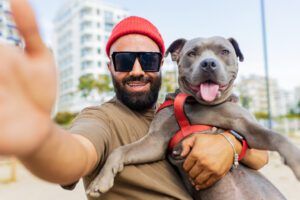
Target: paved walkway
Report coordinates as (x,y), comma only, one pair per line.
(29,187)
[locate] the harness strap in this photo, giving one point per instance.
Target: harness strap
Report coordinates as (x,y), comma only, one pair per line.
(167,103)
(182,120)
(244,149)
(186,128)
(181,134)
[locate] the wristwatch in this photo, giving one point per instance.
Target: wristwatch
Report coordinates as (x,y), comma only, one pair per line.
(243,142)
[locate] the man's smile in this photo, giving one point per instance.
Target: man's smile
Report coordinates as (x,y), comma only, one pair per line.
(137,86)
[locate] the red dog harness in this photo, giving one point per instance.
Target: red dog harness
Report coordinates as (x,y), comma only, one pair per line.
(186,128)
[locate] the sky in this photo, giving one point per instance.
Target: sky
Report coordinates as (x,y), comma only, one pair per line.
(229,18)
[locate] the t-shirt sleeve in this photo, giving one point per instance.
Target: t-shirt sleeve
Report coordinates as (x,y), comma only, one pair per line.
(93,124)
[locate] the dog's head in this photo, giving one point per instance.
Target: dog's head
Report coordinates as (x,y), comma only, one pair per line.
(207,67)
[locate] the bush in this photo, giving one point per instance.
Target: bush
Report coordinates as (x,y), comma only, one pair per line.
(64,118)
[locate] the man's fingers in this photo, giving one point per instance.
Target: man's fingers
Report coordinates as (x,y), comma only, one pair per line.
(195,171)
(187,144)
(25,21)
(189,162)
(209,182)
(202,178)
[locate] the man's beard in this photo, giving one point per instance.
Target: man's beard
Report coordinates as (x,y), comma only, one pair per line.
(139,101)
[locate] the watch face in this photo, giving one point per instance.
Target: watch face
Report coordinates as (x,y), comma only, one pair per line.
(8,31)
(237,135)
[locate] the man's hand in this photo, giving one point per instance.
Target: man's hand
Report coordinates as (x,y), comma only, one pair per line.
(209,158)
(27,87)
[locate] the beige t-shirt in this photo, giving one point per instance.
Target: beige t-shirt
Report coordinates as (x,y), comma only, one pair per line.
(113,124)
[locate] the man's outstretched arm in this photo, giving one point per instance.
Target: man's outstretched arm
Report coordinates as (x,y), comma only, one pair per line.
(63,158)
(27,95)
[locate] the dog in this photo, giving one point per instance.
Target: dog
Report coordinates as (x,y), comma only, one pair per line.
(207,70)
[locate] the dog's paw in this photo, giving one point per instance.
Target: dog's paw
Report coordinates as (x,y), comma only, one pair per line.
(296,168)
(293,160)
(100,185)
(105,180)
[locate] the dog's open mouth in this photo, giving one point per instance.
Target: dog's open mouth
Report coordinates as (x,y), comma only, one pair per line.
(208,90)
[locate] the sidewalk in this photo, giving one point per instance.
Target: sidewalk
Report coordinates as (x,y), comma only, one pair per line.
(29,187)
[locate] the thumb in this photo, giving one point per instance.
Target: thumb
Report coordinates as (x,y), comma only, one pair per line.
(26,22)
(187,144)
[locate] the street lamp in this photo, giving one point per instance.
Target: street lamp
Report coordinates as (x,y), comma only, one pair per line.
(265,51)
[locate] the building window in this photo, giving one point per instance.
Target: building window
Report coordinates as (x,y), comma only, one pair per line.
(108,16)
(99,64)
(86,38)
(86,51)
(85,11)
(86,65)
(85,25)
(99,51)
(98,37)
(108,26)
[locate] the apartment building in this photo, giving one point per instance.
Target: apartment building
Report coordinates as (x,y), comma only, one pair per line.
(82,28)
(8,31)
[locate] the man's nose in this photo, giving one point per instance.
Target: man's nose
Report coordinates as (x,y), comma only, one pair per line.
(137,69)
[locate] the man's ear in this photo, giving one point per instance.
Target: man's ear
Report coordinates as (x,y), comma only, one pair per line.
(175,49)
(109,65)
(236,47)
(162,62)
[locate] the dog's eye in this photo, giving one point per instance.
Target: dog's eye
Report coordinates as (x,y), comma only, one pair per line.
(225,52)
(192,53)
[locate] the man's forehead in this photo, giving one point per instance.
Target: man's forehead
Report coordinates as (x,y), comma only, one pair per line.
(134,42)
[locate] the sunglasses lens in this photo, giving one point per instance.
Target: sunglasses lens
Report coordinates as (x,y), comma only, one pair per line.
(123,62)
(150,61)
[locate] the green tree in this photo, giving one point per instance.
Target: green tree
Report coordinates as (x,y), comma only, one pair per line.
(64,118)
(298,108)
(169,82)
(245,101)
(261,115)
(88,82)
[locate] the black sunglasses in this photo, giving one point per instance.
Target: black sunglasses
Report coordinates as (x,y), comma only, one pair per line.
(123,61)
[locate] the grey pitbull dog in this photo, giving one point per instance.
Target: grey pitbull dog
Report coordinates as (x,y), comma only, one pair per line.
(207,70)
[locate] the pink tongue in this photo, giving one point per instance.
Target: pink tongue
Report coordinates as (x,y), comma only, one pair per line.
(209,91)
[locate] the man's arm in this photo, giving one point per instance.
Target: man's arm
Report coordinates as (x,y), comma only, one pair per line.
(27,95)
(63,158)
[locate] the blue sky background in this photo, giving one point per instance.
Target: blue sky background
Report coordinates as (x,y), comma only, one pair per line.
(228,18)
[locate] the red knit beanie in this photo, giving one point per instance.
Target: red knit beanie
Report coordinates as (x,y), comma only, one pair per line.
(135,25)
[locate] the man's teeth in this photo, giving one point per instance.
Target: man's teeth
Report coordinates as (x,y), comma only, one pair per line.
(136,84)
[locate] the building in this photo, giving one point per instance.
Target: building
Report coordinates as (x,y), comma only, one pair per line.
(253,95)
(82,28)
(8,30)
(169,78)
(297,96)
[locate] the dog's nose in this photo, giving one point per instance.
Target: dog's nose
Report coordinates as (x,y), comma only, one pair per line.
(209,64)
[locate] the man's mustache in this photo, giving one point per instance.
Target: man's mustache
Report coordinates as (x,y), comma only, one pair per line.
(136,78)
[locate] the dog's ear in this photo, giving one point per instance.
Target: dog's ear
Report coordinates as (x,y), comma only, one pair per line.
(237,49)
(175,48)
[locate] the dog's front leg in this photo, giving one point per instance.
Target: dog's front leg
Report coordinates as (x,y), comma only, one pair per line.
(150,148)
(259,137)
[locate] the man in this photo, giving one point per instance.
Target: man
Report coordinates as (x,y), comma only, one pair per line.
(27,93)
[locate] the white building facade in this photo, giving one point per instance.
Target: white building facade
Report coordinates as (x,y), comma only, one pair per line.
(82,28)
(8,31)
(254,89)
